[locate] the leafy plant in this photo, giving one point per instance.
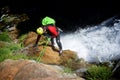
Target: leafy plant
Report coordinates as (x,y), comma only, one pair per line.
(14,47)
(7,50)
(5,37)
(18,56)
(98,73)
(21,39)
(68,70)
(4,54)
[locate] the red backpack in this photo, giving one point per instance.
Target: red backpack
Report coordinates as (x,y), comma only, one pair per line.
(53,30)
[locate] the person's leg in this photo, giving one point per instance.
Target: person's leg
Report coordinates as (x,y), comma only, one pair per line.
(59,44)
(52,43)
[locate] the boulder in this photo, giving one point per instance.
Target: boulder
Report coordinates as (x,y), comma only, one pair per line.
(31,70)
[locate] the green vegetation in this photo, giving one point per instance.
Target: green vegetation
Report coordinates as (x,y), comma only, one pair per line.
(7,50)
(21,39)
(68,70)
(4,53)
(8,47)
(5,37)
(18,56)
(98,73)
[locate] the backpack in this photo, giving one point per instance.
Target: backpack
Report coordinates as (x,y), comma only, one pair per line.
(52,30)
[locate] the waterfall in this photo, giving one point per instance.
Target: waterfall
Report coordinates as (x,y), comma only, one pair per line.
(95,43)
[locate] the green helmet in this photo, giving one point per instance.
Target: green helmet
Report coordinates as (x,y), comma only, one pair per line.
(47,20)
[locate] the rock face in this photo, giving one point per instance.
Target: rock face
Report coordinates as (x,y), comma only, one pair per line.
(45,52)
(47,55)
(30,39)
(30,70)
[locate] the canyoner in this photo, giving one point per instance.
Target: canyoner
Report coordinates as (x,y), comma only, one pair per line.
(50,30)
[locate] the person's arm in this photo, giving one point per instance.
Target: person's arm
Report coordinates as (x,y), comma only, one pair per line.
(59,29)
(39,32)
(38,38)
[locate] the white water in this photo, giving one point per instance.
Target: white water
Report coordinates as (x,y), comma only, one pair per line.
(94,44)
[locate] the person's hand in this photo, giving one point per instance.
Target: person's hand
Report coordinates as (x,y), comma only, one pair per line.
(35,45)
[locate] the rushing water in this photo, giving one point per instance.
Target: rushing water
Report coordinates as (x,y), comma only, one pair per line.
(95,43)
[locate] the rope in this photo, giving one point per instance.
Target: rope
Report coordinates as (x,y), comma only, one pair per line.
(43,51)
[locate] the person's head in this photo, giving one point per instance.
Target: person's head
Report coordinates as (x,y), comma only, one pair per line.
(48,21)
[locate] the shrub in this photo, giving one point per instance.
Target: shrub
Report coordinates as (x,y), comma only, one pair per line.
(98,73)
(18,56)
(68,70)
(21,39)
(7,50)
(13,47)
(5,37)
(4,53)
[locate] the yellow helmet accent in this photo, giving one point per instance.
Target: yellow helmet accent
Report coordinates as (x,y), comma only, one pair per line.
(39,30)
